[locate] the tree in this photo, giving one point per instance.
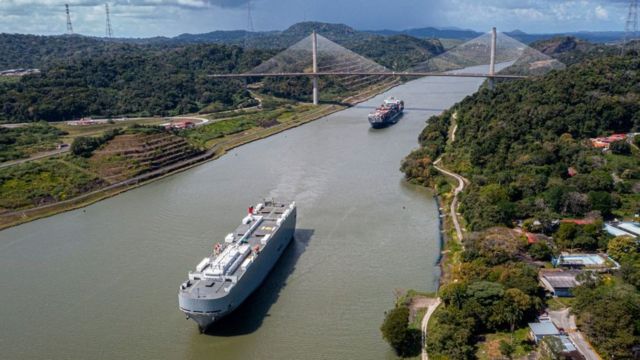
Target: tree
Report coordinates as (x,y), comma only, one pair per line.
(622,247)
(601,201)
(495,245)
(454,294)
(608,314)
(620,147)
(631,271)
(566,234)
(540,251)
(84,146)
(518,303)
(395,330)
(452,338)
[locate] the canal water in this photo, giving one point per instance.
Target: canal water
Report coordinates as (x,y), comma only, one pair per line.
(101,282)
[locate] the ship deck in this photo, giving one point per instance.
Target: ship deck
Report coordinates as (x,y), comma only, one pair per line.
(206,286)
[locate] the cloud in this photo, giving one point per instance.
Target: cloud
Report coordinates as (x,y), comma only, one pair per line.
(601,13)
(152,3)
(172,17)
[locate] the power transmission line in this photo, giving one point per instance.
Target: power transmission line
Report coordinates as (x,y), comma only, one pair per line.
(250,28)
(109,30)
(69,26)
(249,17)
(631,27)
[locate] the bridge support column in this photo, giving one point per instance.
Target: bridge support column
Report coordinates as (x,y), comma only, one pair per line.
(492,63)
(314,54)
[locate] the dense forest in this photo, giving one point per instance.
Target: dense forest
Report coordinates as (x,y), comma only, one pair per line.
(525,149)
(131,81)
(570,50)
(517,143)
(93,77)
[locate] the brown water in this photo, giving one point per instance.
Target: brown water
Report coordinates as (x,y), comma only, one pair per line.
(101,282)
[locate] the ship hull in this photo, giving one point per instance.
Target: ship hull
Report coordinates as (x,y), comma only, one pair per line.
(207,311)
(387,122)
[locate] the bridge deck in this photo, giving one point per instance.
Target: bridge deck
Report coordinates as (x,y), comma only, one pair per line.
(387,74)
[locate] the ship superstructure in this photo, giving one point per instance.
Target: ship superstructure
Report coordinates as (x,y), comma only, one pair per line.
(386,114)
(237,266)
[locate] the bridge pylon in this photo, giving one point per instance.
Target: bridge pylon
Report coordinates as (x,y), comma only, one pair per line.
(492,61)
(314,55)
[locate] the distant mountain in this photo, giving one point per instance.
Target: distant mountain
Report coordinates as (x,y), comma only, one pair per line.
(431,32)
(29,51)
(396,51)
(461,34)
(571,50)
(275,39)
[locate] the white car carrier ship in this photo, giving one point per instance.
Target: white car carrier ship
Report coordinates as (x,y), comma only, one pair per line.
(238,265)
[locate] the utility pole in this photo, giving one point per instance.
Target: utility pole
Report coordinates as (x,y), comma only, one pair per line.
(109,30)
(69,26)
(314,55)
(492,61)
(631,27)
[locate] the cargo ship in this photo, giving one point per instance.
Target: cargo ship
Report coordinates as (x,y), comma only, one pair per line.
(387,114)
(239,264)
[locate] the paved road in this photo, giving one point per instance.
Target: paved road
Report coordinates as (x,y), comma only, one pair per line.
(454,204)
(425,321)
(35,157)
(564,319)
(461,184)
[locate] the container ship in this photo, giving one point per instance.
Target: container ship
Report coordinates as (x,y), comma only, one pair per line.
(387,114)
(237,266)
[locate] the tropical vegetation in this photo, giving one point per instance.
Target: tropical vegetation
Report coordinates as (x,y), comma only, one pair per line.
(525,147)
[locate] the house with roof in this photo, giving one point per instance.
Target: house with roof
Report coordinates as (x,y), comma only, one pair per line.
(559,282)
(622,228)
(539,330)
(604,142)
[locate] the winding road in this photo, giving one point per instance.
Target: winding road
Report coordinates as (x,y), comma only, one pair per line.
(425,321)
(462,182)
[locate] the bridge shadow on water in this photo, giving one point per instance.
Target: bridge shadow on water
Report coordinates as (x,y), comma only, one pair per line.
(248,317)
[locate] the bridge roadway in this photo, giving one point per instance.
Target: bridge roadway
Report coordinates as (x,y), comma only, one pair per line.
(389,74)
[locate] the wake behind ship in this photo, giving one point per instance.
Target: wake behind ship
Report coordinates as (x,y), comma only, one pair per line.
(238,266)
(387,114)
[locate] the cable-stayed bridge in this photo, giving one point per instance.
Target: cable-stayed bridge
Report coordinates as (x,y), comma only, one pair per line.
(316,56)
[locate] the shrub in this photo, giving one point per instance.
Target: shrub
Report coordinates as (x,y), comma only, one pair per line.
(85,146)
(620,147)
(540,251)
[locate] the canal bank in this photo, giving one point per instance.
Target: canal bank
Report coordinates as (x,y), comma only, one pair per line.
(13,218)
(102,281)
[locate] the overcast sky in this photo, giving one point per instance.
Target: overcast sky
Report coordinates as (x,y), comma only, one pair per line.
(144,18)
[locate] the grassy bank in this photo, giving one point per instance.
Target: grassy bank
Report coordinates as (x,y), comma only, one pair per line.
(217,147)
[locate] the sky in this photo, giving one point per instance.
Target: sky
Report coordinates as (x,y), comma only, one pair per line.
(147,18)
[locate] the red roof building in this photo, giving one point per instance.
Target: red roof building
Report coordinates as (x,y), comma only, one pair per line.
(604,142)
(183,124)
(579,221)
